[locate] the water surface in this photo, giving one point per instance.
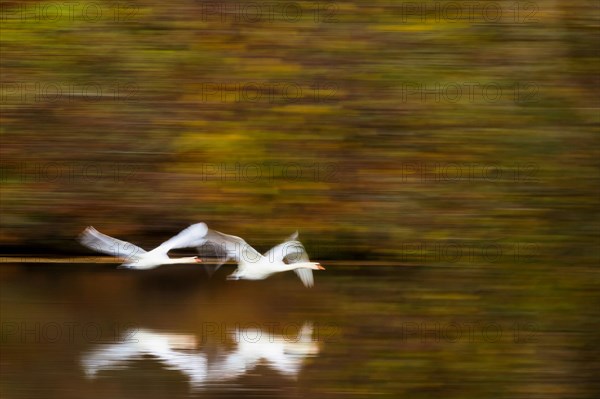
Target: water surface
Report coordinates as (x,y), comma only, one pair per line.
(81,330)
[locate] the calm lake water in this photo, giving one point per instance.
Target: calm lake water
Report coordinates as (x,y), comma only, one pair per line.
(91,331)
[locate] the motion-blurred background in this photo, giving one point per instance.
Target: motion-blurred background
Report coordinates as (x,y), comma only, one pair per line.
(373,128)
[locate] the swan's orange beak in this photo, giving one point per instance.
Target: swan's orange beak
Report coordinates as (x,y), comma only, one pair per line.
(198,260)
(320,267)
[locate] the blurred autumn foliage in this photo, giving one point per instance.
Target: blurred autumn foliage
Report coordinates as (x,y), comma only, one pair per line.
(368,126)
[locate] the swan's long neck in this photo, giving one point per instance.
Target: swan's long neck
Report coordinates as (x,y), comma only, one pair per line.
(191,259)
(303,265)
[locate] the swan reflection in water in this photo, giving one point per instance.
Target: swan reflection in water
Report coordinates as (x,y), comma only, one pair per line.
(252,347)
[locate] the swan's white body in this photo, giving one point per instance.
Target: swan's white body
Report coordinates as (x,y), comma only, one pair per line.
(254,266)
(137,258)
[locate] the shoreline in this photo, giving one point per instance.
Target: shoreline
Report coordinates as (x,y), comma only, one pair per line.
(112,260)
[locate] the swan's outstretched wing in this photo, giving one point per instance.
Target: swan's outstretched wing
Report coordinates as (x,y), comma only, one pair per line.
(287,249)
(292,251)
(297,253)
(306,276)
(226,247)
(190,237)
(99,242)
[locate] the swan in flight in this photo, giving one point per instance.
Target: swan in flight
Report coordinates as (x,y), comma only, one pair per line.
(137,258)
(289,255)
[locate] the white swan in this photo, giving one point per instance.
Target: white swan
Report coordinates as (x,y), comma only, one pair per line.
(289,255)
(135,257)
